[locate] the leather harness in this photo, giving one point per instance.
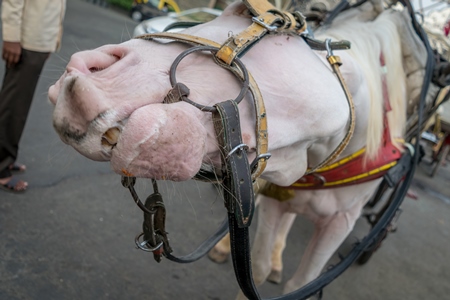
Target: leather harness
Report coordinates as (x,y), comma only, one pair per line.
(238,176)
(233,163)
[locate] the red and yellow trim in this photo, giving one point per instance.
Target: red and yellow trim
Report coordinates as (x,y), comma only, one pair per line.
(354,168)
(320,180)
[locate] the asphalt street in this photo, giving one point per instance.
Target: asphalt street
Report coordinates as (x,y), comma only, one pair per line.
(71,235)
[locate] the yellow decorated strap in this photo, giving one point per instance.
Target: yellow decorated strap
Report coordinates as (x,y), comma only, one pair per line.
(266,19)
(234,45)
(335,62)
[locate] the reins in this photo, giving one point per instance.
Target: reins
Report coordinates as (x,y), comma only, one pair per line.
(238,175)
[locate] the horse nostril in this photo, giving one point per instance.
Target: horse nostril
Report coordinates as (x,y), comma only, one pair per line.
(115,59)
(88,62)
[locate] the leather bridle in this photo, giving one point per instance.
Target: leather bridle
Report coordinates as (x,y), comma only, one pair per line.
(237,174)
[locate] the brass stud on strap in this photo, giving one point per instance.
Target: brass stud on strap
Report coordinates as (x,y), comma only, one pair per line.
(333,60)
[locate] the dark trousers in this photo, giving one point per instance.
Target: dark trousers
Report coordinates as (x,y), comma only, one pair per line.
(16,96)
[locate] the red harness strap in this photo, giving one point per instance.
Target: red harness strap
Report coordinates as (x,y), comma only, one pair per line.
(354,168)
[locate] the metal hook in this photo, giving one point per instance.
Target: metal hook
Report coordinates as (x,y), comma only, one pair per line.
(320,178)
(255,162)
(328,47)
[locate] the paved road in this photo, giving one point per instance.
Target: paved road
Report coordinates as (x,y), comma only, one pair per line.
(71,236)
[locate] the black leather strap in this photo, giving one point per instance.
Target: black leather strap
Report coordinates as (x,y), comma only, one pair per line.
(238,191)
(204,247)
(321,45)
(240,253)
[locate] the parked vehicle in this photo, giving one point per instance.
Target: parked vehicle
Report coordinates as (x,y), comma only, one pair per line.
(146,9)
(159,24)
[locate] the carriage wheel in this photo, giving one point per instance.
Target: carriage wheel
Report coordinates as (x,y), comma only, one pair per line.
(379,197)
(441,158)
(367,254)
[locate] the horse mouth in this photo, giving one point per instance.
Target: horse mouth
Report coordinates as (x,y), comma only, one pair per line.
(110,138)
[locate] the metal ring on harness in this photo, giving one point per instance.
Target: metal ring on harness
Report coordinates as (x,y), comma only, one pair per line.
(213,50)
(142,245)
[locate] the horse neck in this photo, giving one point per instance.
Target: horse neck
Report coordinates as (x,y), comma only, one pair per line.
(372,39)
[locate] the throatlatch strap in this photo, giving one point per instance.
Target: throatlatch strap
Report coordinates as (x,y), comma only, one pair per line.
(238,192)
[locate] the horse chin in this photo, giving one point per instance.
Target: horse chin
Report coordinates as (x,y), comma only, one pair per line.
(159,141)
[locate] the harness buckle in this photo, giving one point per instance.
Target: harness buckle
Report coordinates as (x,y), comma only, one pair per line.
(240,147)
(260,21)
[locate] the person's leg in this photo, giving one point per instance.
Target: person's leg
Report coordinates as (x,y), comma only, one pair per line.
(16,95)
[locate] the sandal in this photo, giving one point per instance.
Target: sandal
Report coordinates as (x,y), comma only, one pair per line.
(14,185)
(17,168)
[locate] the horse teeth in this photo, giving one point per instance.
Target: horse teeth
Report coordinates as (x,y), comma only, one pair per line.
(111,136)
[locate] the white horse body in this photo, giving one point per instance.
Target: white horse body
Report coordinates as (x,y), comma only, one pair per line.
(123,86)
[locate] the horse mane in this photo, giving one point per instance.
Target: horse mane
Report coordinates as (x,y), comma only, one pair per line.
(372,35)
